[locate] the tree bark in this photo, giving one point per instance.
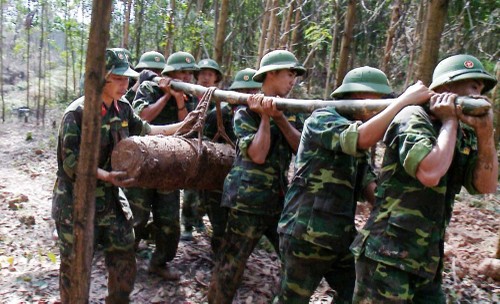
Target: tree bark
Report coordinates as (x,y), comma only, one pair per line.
(433,28)
(221,31)
(126,25)
(395,15)
(296,25)
(265,28)
(415,43)
(40,61)
(169,46)
(176,159)
(287,24)
(138,27)
(333,49)
(28,22)
(83,246)
(273,25)
(350,19)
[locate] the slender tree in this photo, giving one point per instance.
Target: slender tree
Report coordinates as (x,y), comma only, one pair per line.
(126,25)
(333,48)
(296,25)
(287,24)
(265,29)
(273,26)
(169,46)
(139,19)
(27,24)
(83,245)
(40,61)
(345,45)
(415,43)
(221,31)
(496,104)
(389,42)
(433,28)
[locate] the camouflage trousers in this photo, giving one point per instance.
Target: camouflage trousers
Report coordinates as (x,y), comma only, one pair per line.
(380,283)
(209,202)
(117,240)
(306,264)
(192,209)
(243,233)
(165,228)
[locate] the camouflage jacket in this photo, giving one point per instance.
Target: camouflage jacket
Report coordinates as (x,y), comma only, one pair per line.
(149,92)
(117,122)
(330,173)
(210,128)
(258,188)
(407,225)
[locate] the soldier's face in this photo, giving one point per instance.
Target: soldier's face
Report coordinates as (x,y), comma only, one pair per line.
(466,87)
(185,76)
(207,77)
(115,87)
(282,80)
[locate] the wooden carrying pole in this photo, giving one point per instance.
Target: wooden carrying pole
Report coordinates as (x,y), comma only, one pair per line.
(354,108)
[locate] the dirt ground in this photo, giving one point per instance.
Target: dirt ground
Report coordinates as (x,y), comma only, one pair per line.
(29,256)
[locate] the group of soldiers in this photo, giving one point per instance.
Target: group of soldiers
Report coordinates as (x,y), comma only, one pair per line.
(431,152)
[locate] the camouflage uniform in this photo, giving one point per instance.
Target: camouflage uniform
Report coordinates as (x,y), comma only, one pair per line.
(113,218)
(400,249)
(254,193)
(317,223)
(164,205)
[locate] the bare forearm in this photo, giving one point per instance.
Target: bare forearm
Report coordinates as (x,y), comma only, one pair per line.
(165,129)
(486,169)
(259,148)
(291,134)
(152,111)
(435,165)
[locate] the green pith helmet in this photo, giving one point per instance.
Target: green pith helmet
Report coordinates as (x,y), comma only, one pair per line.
(243,80)
(364,79)
(209,64)
(460,67)
(180,61)
(117,63)
(151,60)
(278,60)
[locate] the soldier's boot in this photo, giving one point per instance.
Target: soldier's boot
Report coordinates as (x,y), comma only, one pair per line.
(117,299)
(164,271)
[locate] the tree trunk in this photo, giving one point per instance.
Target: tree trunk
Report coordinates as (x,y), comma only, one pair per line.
(396,14)
(82,40)
(333,49)
(27,24)
(40,61)
(66,50)
(176,160)
(126,25)
(350,19)
(83,246)
(433,27)
(296,25)
(273,24)
(138,27)
(265,28)
(416,43)
(221,31)
(169,46)
(287,24)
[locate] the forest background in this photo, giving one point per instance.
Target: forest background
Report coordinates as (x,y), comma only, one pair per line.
(404,38)
(42,58)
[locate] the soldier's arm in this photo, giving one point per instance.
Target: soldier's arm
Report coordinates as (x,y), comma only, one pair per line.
(486,169)
(435,165)
(117,178)
(152,111)
(261,143)
(169,129)
(372,130)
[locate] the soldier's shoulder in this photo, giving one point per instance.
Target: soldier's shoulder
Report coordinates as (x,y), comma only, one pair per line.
(75,106)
